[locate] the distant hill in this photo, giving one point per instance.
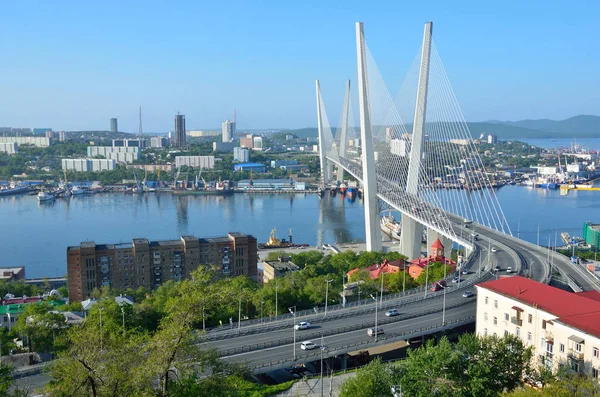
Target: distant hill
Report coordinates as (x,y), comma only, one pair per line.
(584,126)
(574,127)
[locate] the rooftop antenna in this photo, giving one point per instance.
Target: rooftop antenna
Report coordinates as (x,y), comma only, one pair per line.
(140,123)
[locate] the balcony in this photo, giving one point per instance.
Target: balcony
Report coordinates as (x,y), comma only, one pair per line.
(549,336)
(575,355)
(549,355)
(516,321)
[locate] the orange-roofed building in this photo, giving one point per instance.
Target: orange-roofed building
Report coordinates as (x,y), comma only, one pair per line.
(386,267)
(436,254)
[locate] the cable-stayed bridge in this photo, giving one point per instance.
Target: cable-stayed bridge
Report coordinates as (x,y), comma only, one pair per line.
(403,164)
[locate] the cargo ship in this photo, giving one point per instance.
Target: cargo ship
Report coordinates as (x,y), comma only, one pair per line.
(275,243)
(219,189)
(390,227)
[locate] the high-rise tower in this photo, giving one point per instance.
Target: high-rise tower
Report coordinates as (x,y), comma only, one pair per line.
(179,130)
(113,125)
(227,129)
(140,123)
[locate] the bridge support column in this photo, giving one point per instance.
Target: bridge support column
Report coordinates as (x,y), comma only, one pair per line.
(373,230)
(411,229)
(340,175)
(411,237)
(322,148)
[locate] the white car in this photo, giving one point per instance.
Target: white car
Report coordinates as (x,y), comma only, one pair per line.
(373,332)
(307,345)
(467,294)
(391,313)
(509,269)
(302,325)
(494,249)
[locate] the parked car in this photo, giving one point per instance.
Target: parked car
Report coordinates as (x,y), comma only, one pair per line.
(391,313)
(302,325)
(494,249)
(465,272)
(509,269)
(497,267)
(467,294)
(308,345)
(455,280)
(372,332)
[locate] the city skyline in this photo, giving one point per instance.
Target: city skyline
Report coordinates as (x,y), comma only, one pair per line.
(73,68)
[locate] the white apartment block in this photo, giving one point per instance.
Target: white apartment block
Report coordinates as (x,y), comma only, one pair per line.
(241,155)
(121,154)
(88,165)
(257,143)
(39,141)
(205,162)
(563,328)
(8,148)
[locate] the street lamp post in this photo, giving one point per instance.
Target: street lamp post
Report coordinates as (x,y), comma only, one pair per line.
(444,304)
(375,299)
(276,288)
(323,348)
(381,293)
(359,291)
(327,294)
(123,314)
(294,327)
(101,310)
(240,313)
(261,311)
(426,278)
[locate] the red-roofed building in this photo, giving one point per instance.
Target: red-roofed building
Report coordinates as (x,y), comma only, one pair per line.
(386,267)
(562,327)
(436,254)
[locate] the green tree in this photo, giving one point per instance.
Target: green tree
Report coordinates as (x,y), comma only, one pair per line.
(374,379)
(40,325)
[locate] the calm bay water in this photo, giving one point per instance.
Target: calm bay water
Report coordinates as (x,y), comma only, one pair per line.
(36,234)
(588,143)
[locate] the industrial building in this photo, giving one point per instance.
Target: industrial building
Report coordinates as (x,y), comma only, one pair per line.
(241,154)
(270,184)
(562,327)
(9,148)
(206,162)
(254,167)
(149,264)
(88,165)
(591,234)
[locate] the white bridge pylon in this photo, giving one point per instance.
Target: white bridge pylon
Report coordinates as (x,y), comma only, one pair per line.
(425,170)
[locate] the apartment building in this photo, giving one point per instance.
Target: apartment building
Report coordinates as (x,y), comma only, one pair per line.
(151,263)
(562,327)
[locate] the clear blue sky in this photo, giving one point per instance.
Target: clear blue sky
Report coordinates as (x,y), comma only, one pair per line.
(74,64)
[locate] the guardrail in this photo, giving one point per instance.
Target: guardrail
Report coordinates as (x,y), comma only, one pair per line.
(225,332)
(382,338)
(315,319)
(340,330)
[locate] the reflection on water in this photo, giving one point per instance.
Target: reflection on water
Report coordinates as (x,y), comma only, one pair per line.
(114,218)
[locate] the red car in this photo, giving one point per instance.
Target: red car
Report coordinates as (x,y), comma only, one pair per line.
(438,285)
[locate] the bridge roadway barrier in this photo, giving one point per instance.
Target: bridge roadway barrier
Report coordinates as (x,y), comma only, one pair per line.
(382,339)
(367,308)
(305,315)
(335,331)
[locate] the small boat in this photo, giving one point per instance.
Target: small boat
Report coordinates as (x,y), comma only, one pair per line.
(342,188)
(78,190)
(390,227)
(351,193)
(45,196)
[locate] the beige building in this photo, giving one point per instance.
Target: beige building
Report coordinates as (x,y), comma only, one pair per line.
(278,268)
(563,328)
